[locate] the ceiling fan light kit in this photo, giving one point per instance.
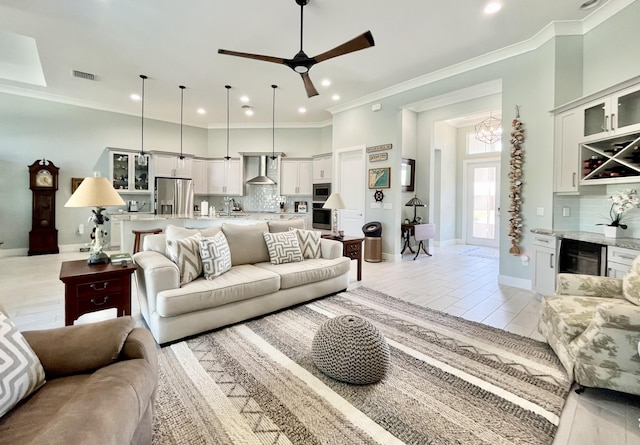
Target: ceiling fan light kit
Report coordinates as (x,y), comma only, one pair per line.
(301,63)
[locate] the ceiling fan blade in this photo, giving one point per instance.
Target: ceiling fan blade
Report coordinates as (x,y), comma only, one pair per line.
(308,85)
(361,42)
(279,60)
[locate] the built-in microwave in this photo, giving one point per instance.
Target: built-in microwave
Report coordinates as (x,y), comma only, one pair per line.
(321,192)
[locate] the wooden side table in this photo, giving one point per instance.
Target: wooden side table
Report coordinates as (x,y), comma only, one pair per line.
(351,248)
(407,232)
(90,288)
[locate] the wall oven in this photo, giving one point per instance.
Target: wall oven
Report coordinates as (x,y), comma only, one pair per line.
(582,257)
(321,192)
(321,217)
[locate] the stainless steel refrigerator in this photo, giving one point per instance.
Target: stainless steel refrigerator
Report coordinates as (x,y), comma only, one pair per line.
(174,196)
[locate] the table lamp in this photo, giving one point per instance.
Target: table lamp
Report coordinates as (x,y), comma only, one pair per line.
(96,192)
(415,202)
(335,203)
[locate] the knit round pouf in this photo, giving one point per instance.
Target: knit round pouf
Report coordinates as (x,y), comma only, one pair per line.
(351,349)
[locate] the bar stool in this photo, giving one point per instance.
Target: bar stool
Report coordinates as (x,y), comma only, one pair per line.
(139,234)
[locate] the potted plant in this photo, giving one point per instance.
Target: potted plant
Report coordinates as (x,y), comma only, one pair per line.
(621,202)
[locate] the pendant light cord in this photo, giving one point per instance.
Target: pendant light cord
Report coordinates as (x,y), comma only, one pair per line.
(143,77)
(181,115)
(273,125)
(228,87)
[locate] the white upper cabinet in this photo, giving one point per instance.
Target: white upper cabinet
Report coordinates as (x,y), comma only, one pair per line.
(225,178)
(167,165)
(612,115)
(199,175)
(296,177)
(567,151)
(322,169)
(125,173)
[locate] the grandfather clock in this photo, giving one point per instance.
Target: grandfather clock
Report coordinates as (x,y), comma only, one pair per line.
(43,182)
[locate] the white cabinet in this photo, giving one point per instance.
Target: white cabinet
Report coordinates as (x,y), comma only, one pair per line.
(619,261)
(225,177)
(611,161)
(115,235)
(125,173)
(296,177)
(322,169)
(168,165)
(545,261)
(199,175)
(567,151)
(612,115)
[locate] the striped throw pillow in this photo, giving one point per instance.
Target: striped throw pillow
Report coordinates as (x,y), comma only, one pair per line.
(21,372)
(215,255)
(283,247)
(309,241)
(185,253)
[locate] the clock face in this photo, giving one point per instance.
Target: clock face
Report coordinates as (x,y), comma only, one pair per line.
(44,178)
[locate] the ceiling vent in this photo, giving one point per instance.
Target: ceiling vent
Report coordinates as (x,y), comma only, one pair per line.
(83,75)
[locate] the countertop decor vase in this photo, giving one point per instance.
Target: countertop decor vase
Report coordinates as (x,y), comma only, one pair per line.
(613,232)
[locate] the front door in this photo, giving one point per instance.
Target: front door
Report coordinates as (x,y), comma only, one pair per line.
(482,203)
(350,184)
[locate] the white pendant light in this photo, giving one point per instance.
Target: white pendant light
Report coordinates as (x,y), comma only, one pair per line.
(181,157)
(142,156)
(489,130)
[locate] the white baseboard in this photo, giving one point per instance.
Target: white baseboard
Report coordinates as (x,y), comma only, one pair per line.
(24,251)
(520,283)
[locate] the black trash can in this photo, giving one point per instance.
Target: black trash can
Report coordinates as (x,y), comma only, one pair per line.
(372,241)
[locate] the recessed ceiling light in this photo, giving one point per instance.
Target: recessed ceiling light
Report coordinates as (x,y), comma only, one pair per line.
(326,82)
(590,4)
(201,111)
(248,110)
(492,7)
(244,99)
(335,97)
(302,110)
(135,96)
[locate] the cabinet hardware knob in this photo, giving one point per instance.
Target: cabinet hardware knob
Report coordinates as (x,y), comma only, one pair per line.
(100,303)
(104,286)
(551,261)
(612,125)
(573,180)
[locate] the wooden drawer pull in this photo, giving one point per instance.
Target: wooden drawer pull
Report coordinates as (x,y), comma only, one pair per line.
(104,300)
(104,286)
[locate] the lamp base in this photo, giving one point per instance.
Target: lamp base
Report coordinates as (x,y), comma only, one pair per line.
(98,258)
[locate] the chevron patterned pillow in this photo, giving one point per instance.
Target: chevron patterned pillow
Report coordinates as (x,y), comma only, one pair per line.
(309,241)
(215,255)
(283,247)
(21,372)
(185,253)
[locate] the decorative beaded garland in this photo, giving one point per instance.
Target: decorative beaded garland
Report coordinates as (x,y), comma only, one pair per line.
(515,180)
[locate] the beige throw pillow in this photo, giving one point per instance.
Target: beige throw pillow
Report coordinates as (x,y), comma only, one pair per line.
(283,247)
(21,372)
(185,253)
(246,243)
(309,241)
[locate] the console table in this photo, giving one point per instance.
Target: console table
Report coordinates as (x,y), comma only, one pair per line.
(90,288)
(351,248)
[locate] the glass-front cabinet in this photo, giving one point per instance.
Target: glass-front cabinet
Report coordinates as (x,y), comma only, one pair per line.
(612,115)
(126,174)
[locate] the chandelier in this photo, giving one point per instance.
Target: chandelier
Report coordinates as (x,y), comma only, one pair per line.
(489,130)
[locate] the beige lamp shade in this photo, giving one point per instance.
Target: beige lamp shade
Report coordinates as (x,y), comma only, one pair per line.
(334,202)
(95,192)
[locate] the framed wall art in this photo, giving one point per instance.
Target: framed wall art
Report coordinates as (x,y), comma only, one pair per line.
(75,183)
(380,178)
(408,175)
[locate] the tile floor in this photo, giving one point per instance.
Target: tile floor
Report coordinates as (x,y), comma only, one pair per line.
(460,280)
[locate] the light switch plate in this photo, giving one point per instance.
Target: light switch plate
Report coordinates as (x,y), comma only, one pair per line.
(540,211)
(376,205)
(388,206)
(566,211)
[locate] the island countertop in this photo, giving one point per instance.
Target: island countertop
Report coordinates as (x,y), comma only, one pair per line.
(591,237)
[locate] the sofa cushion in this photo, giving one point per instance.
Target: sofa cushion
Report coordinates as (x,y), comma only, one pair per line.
(215,255)
(246,243)
(240,283)
(283,247)
(308,271)
(631,283)
(286,225)
(185,252)
(309,241)
(21,372)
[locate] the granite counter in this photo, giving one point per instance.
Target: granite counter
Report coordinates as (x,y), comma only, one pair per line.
(591,237)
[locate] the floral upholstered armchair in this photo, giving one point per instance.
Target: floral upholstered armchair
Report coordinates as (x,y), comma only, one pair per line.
(593,325)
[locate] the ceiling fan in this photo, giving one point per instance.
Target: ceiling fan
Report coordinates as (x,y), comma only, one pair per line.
(301,63)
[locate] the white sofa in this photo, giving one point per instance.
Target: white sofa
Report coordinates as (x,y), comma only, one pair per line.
(252,287)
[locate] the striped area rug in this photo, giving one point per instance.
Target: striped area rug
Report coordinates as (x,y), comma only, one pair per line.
(451,381)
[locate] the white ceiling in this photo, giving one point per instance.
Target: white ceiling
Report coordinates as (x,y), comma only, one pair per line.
(175,43)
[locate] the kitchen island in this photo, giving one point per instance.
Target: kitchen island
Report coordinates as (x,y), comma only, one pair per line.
(145,221)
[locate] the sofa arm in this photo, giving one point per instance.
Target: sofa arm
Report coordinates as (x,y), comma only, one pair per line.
(330,249)
(154,274)
(588,285)
(141,345)
(80,348)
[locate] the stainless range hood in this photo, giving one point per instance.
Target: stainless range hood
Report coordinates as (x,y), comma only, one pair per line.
(262,178)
